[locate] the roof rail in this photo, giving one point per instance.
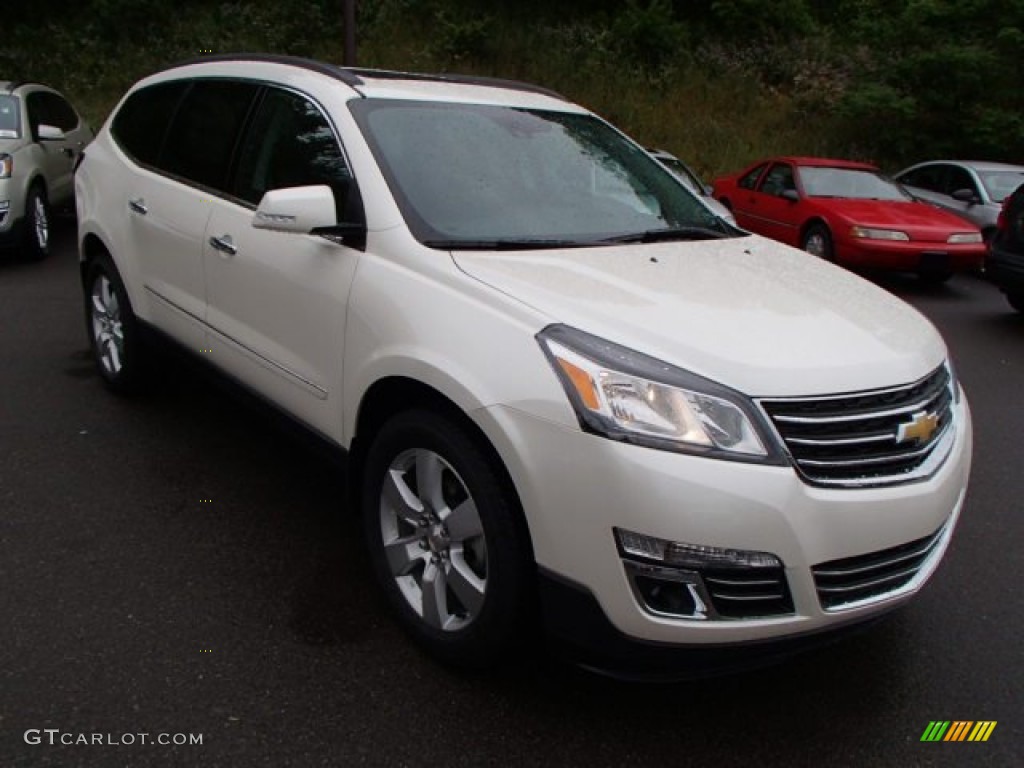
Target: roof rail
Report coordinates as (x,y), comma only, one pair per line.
(493,82)
(353,76)
(338,73)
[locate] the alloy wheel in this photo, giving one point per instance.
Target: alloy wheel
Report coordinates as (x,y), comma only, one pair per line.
(433,540)
(107,328)
(41,223)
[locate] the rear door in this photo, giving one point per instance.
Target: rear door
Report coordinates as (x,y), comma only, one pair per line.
(183,168)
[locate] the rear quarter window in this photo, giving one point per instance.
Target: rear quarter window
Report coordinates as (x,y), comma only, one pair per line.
(141,124)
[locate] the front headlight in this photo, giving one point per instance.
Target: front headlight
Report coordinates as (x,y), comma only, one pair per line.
(625,395)
(6,166)
(872,233)
(963,238)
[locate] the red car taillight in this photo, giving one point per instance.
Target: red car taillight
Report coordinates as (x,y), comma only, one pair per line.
(1001,219)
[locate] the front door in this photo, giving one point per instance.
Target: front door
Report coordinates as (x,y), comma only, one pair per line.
(276,302)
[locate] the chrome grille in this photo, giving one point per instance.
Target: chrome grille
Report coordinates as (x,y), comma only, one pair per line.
(748,593)
(853,579)
(867,438)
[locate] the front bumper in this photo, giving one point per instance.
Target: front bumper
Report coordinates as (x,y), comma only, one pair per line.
(12,211)
(576,488)
(911,256)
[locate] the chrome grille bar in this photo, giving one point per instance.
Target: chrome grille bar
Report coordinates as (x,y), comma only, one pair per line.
(878,437)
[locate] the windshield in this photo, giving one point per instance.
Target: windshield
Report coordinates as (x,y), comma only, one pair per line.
(853,183)
(1001,184)
(473,176)
(10,118)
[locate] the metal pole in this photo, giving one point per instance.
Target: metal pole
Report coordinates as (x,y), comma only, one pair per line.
(350,33)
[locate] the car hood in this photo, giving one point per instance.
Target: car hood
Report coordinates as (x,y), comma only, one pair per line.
(755,315)
(921,221)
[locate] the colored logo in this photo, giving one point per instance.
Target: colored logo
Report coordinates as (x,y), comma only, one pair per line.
(920,428)
(958,730)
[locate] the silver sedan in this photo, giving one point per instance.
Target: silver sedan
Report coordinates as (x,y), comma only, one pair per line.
(974,190)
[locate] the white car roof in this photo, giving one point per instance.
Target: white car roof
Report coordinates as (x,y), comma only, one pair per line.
(373,84)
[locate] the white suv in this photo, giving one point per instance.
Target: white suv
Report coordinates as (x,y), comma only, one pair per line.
(41,138)
(566,388)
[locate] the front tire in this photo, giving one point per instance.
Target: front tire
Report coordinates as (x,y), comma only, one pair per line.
(1016,301)
(37,224)
(817,241)
(112,327)
(444,536)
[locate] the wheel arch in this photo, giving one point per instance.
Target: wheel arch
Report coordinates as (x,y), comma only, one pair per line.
(38,180)
(90,249)
(377,405)
(813,220)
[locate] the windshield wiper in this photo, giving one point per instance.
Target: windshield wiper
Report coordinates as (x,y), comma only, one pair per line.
(503,244)
(664,235)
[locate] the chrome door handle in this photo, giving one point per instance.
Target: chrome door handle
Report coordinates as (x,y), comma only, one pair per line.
(224,244)
(138,206)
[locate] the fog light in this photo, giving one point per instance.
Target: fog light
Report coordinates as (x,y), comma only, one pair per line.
(670,592)
(677,553)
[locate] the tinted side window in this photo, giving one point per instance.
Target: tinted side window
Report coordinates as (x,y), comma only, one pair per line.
(58,112)
(925,178)
(290,144)
(750,179)
(778,180)
(35,105)
(141,124)
(204,132)
(957,178)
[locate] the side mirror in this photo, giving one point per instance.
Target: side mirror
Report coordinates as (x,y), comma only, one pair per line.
(296,209)
(307,211)
(49,133)
(965,196)
(790,194)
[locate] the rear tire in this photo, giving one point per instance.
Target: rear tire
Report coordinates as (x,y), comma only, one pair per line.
(1016,301)
(445,540)
(113,328)
(37,224)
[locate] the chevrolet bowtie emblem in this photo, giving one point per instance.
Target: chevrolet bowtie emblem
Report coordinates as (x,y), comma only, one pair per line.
(920,428)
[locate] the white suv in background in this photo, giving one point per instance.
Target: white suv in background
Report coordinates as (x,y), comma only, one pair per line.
(566,388)
(41,137)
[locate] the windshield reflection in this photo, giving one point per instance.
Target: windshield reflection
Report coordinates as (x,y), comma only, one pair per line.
(852,183)
(482,176)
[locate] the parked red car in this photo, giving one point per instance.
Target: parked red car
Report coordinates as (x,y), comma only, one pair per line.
(850,213)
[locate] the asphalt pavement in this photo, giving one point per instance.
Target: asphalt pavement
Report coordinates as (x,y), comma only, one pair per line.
(182,564)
